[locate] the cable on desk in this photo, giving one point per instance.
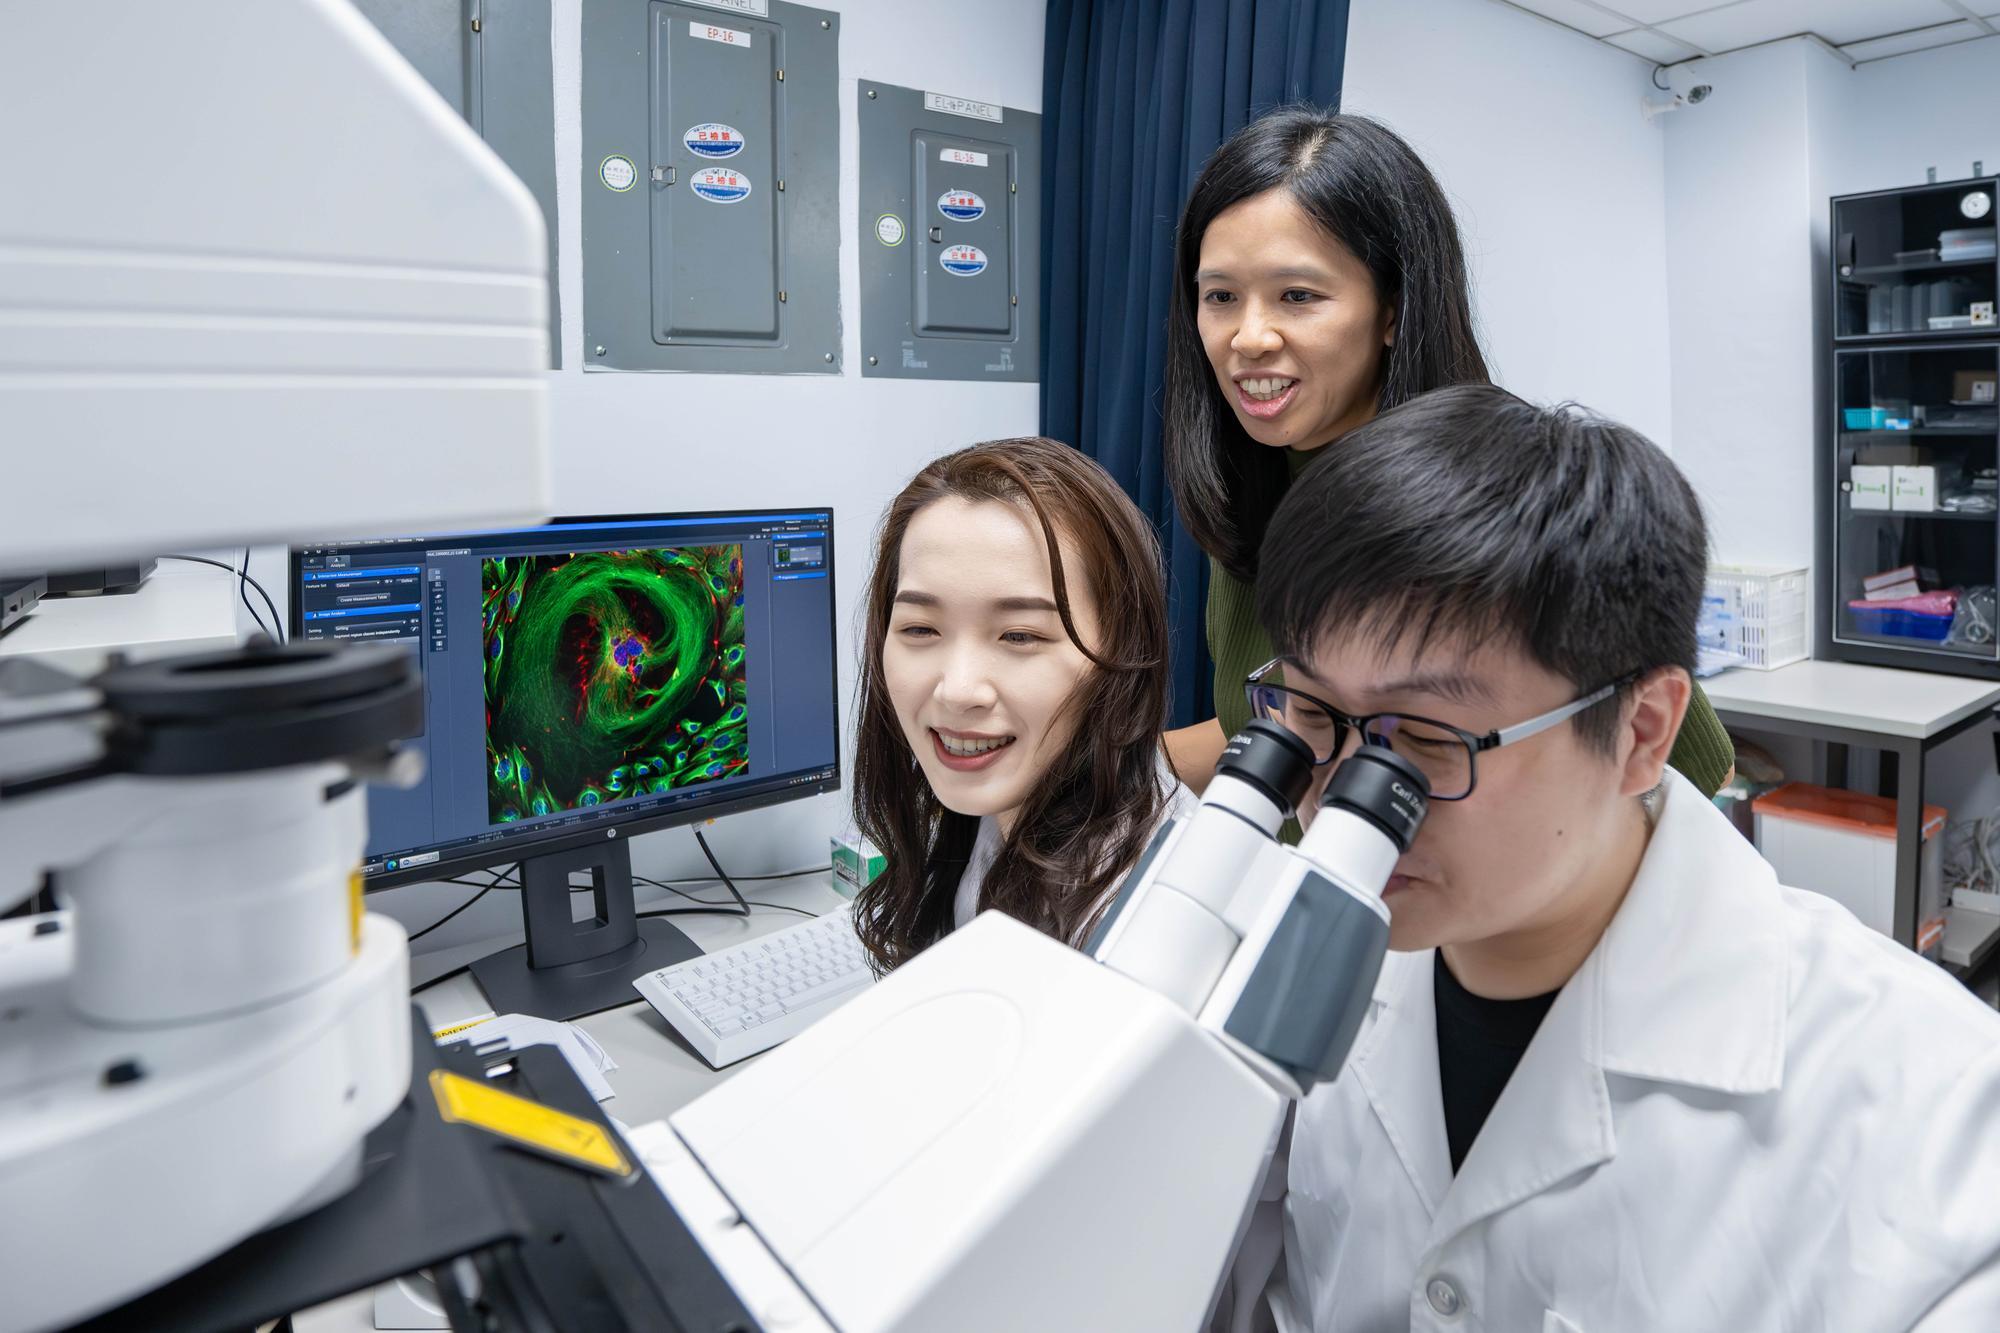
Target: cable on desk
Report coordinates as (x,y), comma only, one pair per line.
(784,907)
(499,881)
(758,879)
(509,878)
(276,629)
(708,909)
(721,874)
(724,907)
(243,579)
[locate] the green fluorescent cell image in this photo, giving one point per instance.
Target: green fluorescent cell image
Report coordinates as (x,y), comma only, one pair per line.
(611,675)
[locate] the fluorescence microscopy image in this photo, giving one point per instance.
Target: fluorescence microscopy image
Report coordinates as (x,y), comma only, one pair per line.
(611,675)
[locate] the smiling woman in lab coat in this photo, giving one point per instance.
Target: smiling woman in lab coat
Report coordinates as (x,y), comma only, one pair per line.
(1615,1077)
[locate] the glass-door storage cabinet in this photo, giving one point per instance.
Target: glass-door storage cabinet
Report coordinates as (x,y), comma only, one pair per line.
(1909,533)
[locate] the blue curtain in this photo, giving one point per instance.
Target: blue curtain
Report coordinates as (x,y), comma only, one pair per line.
(1135,96)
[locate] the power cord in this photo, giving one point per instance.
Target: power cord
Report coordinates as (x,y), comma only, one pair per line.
(275,631)
(748,902)
(509,879)
(499,881)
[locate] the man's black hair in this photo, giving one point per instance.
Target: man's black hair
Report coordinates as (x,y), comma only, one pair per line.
(1469,515)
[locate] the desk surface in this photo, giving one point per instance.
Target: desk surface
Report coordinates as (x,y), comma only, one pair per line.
(181,608)
(657,1072)
(1889,702)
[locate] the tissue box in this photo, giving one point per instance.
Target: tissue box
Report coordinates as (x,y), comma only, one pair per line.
(1871,486)
(1973,386)
(1913,488)
(857,863)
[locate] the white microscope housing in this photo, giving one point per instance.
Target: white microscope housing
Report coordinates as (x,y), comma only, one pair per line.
(258,283)
(1010,1134)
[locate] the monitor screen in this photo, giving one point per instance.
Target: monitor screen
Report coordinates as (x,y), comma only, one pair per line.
(632,671)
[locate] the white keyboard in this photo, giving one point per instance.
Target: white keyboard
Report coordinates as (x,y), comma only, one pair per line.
(749,997)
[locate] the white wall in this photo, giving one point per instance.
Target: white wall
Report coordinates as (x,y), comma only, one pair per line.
(1558,183)
(1935,108)
(1741,277)
(623,443)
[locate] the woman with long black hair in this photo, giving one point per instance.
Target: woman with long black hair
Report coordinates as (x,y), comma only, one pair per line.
(1013,687)
(1318,280)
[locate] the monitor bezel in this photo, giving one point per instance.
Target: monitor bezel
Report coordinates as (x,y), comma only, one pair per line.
(508,850)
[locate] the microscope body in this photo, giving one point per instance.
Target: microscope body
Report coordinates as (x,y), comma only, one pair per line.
(1011,1134)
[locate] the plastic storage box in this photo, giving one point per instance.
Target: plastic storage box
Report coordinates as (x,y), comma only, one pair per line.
(1843,844)
(1758,612)
(1875,618)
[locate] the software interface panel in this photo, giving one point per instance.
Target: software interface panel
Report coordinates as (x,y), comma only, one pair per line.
(590,670)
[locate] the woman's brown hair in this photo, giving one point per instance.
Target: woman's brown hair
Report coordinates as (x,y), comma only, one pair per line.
(1090,815)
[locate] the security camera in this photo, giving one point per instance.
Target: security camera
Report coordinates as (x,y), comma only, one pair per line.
(1683,82)
(1653,108)
(1689,78)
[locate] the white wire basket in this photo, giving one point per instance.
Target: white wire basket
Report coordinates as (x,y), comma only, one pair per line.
(1757,613)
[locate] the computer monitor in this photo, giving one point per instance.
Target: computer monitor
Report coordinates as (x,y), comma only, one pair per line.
(585,681)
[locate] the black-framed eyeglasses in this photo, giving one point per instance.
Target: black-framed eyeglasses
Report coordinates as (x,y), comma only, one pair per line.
(1444,753)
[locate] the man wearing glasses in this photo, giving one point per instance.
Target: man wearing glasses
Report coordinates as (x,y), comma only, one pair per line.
(1614,1076)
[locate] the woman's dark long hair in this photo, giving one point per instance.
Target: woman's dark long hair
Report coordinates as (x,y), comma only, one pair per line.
(1368,190)
(1087,818)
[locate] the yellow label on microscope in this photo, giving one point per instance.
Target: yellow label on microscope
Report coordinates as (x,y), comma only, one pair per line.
(354,911)
(530,1124)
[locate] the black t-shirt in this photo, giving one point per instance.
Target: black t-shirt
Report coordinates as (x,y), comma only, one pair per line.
(1479,1043)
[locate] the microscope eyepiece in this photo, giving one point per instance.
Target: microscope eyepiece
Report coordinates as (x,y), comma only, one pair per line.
(1272,760)
(1383,788)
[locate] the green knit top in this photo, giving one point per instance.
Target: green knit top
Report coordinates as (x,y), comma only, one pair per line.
(1702,752)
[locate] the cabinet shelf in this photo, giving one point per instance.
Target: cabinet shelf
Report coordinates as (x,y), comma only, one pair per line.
(1971,652)
(1948,515)
(1915,266)
(1885,362)
(1918,337)
(1932,432)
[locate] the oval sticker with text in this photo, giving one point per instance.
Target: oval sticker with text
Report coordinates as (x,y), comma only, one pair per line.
(961,205)
(964,260)
(713,140)
(720,185)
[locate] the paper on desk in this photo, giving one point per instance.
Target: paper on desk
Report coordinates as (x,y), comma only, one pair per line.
(590,1061)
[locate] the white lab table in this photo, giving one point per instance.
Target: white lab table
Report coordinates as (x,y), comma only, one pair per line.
(1903,714)
(180,608)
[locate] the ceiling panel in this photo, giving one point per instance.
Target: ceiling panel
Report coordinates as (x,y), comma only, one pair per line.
(1658,11)
(1943,35)
(1838,21)
(1659,49)
(1579,14)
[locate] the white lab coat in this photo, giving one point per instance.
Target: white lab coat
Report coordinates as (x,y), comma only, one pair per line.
(1745,1112)
(1179,804)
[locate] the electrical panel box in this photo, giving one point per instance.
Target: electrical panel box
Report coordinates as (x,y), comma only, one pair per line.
(490,59)
(711,176)
(950,236)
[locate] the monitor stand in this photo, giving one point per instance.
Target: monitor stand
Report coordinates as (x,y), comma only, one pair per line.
(571,968)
